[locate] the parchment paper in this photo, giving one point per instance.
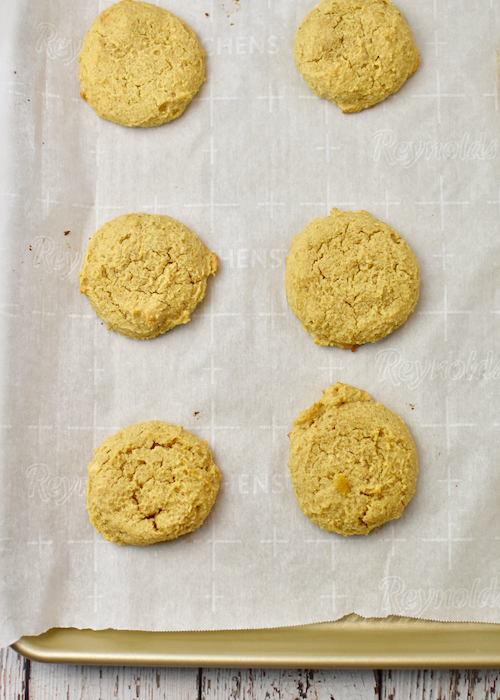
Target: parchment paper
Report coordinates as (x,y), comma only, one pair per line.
(255,157)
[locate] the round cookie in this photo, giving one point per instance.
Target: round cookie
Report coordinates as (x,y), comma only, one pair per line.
(353,462)
(350,279)
(150,482)
(140,65)
(144,274)
(355,53)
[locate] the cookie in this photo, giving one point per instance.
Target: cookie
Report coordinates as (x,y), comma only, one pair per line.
(353,462)
(144,274)
(350,279)
(140,65)
(355,53)
(150,482)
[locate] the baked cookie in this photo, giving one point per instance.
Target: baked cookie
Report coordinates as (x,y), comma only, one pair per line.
(355,53)
(150,482)
(140,65)
(353,462)
(350,279)
(144,274)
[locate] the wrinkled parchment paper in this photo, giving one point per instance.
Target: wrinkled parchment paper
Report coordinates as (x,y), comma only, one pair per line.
(255,157)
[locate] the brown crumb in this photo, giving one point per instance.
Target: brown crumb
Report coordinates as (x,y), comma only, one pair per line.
(196,413)
(412,406)
(206,14)
(66,233)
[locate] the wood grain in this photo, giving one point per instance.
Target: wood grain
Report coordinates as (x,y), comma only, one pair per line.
(11,675)
(290,684)
(441,685)
(60,682)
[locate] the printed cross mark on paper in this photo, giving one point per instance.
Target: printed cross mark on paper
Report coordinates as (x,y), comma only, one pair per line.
(211,99)
(333,596)
(271,204)
(334,541)
(39,428)
(327,148)
(95,428)
(95,596)
(39,542)
(442,202)
(213,426)
(448,425)
(214,542)
(332,367)
(47,201)
(272,314)
(212,369)
(275,542)
(387,203)
(445,312)
(271,97)
(212,150)
(449,540)
(436,44)
(212,315)
(274,428)
(95,542)
(389,527)
(213,597)
(443,255)
(212,205)
(495,201)
(329,202)
(43,314)
(439,95)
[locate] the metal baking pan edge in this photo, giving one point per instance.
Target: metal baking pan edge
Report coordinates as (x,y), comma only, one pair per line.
(352,642)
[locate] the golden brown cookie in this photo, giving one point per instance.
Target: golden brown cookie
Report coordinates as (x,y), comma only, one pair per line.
(355,53)
(353,462)
(144,274)
(150,482)
(140,65)
(350,279)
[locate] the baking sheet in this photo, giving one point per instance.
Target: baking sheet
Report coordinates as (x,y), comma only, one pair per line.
(254,158)
(352,642)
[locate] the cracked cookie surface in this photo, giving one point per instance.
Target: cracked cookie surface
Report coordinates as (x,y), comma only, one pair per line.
(350,279)
(149,483)
(140,65)
(145,274)
(353,462)
(355,53)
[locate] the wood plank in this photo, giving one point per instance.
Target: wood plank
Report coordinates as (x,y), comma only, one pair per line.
(441,684)
(12,667)
(71,682)
(278,684)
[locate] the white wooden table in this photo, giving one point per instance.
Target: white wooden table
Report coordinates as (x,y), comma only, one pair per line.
(21,679)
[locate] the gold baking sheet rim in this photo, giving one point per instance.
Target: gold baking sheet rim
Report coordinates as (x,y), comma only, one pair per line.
(352,642)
